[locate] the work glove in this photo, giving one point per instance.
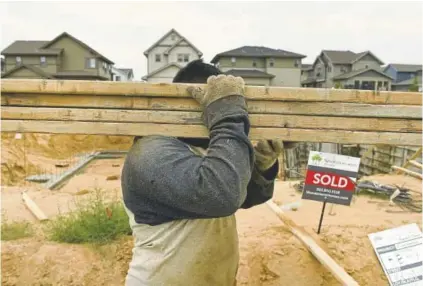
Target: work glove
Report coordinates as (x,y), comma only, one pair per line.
(217,87)
(268,151)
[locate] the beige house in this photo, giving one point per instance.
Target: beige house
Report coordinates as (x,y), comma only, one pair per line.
(346,69)
(261,66)
(64,57)
(168,55)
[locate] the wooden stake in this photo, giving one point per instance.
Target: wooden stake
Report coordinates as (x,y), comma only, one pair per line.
(411,173)
(338,272)
(32,206)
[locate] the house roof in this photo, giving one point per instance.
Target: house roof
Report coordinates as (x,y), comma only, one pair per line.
(405,67)
(36,70)
(409,81)
(347,57)
(161,69)
(258,52)
(78,74)
(306,67)
(312,80)
(128,72)
(249,73)
(360,71)
(64,34)
(165,36)
(29,48)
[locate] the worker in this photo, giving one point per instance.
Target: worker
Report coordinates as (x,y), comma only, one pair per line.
(181,194)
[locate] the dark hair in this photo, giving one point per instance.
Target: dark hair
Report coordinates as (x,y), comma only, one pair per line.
(196,72)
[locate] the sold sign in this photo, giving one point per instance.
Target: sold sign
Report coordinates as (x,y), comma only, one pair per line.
(330,178)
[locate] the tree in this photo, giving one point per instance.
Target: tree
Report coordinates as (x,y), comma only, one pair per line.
(338,85)
(414,87)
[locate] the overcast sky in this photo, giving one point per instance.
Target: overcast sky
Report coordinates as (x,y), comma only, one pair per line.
(122,32)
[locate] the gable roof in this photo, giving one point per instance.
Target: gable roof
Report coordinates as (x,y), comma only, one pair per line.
(165,36)
(29,48)
(64,34)
(128,72)
(29,67)
(249,73)
(405,67)
(161,69)
(257,52)
(347,57)
(306,67)
(360,71)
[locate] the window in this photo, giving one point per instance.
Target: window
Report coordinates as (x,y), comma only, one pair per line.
(158,58)
(412,75)
(172,37)
(357,84)
(183,58)
(91,63)
(18,60)
(43,61)
(254,63)
(297,63)
(271,62)
(233,60)
(118,78)
(329,68)
(367,66)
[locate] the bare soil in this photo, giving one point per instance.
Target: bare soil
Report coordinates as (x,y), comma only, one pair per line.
(270,254)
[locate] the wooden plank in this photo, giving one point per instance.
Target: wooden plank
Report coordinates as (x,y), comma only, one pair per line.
(416,164)
(337,271)
(417,154)
(411,173)
(181,117)
(199,131)
(186,104)
(179,90)
(33,207)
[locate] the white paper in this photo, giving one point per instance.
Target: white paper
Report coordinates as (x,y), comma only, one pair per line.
(400,252)
(18,136)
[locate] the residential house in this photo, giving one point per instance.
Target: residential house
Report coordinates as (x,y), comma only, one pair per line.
(2,66)
(168,55)
(306,71)
(347,69)
(404,75)
(261,66)
(119,74)
(64,57)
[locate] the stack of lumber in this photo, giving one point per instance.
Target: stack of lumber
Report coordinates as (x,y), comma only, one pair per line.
(134,108)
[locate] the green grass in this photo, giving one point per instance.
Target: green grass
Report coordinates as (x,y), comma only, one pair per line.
(15,230)
(94,221)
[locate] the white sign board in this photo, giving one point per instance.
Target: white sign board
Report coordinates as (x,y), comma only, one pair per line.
(400,251)
(330,178)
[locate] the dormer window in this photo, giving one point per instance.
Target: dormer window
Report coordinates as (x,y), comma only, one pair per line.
(158,58)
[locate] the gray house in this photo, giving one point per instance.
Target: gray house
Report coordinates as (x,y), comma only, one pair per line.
(347,69)
(404,75)
(261,66)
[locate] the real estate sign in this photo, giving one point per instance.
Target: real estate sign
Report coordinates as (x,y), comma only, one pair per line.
(330,178)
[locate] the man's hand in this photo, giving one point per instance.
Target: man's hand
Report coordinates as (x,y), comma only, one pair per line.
(268,151)
(217,88)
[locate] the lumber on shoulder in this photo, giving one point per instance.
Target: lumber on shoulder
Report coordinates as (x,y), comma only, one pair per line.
(33,207)
(183,117)
(179,90)
(411,173)
(186,104)
(338,272)
(199,131)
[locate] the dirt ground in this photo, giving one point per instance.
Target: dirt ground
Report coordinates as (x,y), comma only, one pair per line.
(270,254)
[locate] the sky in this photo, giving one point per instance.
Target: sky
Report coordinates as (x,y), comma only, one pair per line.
(123,31)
